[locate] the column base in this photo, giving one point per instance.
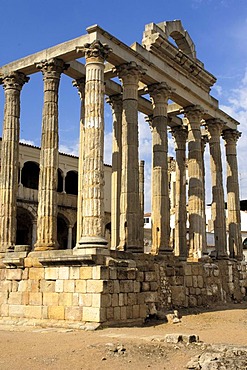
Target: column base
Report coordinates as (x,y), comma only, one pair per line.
(45,247)
(91,242)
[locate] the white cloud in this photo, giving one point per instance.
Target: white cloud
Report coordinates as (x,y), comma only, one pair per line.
(72,149)
(28,142)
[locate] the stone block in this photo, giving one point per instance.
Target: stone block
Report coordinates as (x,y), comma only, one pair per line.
(25,298)
(92,314)
(129,312)
(187,269)
(59,286)
(137,286)
(140,276)
(123,313)
(23,286)
(81,286)
(85,300)
(126,286)
(132,299)
(143,311)
(110,313)
(151,297)
(5,286)
(65,299)
(194,281)
(95,286)
(14,285)
(73,313)
(75,299)
(35,299)
(100,272)
(33,312)
(113,273)
(36,273)
(69,286)
(150,276)
(154,286)
(136,311)
(188,281)
(105,300)
(114,300)
(15,298)
(74,272)
(98,300)
(200,281)
(3,297)
(17,310)
(122,274)
(108,286)
(14,274)
(145,286)
(51,273)
(4,310)
(47,286)
(63,273)
(131,274)
(178,295)
(117,313)
(50,299)
(56,312)
(116,286)
(86,272)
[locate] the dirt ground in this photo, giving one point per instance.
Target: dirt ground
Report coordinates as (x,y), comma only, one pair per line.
(143,347)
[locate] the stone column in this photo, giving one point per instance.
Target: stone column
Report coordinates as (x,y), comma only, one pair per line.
(80,85)
(160,93)
(180,135)
(214,128)
(204,141)
(196,206)
(116,102)
(69,242)
(93,146)
(129,75)
(141,200)
(47,196)
(233,202)
(12,85)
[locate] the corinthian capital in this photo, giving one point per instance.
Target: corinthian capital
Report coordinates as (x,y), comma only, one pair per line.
(193,113)
(129,70)
(214,127)
(231,136)
(52,68)
(95,51)
(14,80)
(80,85)
(159,91)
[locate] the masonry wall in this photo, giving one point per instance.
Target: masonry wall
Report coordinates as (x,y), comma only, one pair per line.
(123,288)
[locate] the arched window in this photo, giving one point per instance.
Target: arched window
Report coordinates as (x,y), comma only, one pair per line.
(71,183)
(62,232)
(30,175)
(245,243)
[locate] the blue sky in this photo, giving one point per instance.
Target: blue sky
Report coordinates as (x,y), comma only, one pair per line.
(217,27)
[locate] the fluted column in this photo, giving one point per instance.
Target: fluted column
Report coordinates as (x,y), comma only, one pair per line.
(214,128)
(80,85)
(93,147)
(196,207)
(180,135)
(160,93)
(12,85)
(116,102)
(141,200)
(129,75)
(204,141)
(233,202)
(47,196)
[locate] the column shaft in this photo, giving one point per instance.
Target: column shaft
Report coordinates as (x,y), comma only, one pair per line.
(93,228)
(129,200)
(80,85)
(233,201)
(47,196)
(196,207)
(160,186)
(12,84)
(214,128)
(141,200)
(180,135)
(116,103)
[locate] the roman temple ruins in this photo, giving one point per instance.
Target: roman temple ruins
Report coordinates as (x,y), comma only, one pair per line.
(105,277)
